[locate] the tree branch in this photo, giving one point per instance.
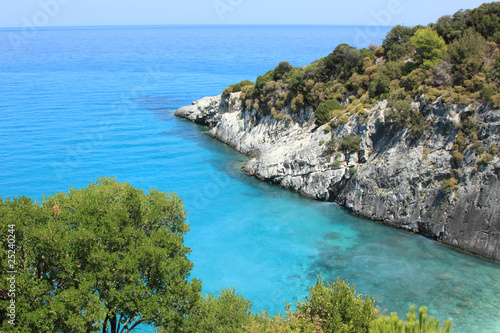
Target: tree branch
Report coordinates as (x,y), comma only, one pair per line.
(118,324)
(134,326)
(125,326)
(105,326)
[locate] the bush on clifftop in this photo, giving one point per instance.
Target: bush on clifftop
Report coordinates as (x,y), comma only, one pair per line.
(457,58)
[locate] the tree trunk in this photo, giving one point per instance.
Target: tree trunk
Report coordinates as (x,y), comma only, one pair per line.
(113,323)
(105,326)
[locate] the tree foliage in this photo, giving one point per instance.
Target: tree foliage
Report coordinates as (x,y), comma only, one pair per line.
(466,55)
(424,323)
(338,308)
(351,143)
(486,20)
(237,87)
(103,258)
(397,42)
(324,112)
(454,61)
(342,62)
(224,312)
(109,257)
(282,70)
(429,46)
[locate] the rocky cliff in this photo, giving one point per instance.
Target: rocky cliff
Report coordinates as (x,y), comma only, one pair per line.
(411,183)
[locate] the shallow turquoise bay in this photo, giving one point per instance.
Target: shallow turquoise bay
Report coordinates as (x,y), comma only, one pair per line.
(78,104)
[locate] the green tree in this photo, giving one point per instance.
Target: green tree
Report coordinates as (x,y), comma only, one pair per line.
(451,27)
(394,324)
(281,70)
(324,111)
(430,47)
(486,19)
(224,312)
(338,308)
(379,86)
(261,82)
(103,258)
(351,143)
(397,41)
(466,55)
(344,61)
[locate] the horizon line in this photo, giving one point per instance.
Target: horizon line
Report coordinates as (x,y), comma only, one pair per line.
(55,27)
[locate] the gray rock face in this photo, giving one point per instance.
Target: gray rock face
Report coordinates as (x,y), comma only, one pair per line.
(393,178)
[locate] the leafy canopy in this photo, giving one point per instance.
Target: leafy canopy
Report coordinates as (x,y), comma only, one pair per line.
(429,47)
(324,112)
(105,257)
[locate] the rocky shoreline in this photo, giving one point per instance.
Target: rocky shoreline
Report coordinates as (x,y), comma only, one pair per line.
(392,178)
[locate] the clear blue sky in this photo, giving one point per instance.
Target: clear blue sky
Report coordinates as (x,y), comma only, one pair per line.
(19,13)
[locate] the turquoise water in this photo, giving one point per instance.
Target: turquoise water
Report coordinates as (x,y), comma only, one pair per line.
(78,104)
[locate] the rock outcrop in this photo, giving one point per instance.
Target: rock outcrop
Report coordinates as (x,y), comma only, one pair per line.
(393,178)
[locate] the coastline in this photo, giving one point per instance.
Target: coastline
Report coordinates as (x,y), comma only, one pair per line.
(392,179)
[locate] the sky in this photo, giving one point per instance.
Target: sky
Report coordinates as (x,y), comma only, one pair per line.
(44,13)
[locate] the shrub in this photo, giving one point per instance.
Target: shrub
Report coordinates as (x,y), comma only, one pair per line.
(237,87)
(394,324)
(397,42)
(413,80)
(324,111)
(487,92)
(227,91)
(460,141)
(379,51)
(343,120)
(442,74)
(416,125)
(270,87)
(224,312)
(486,159)
(291,322)
(496,100)
(337,307)
(400,112)
(479,148)
(281,70)
(458,157)
(449,184)
(342,63)
(279,116)
(351,143)
(466,55)
(430,47)
(379,86)
(297,103)
(261,82)
(468,125)
(294,79)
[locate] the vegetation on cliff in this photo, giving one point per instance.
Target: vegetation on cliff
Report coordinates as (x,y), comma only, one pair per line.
(109,257)
(455,61)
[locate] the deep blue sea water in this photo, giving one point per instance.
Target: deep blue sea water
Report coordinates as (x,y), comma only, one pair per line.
(77,104)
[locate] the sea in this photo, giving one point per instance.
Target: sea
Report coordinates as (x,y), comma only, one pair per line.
(85,102)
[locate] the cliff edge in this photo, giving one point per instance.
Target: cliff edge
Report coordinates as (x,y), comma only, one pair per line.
(376,169)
